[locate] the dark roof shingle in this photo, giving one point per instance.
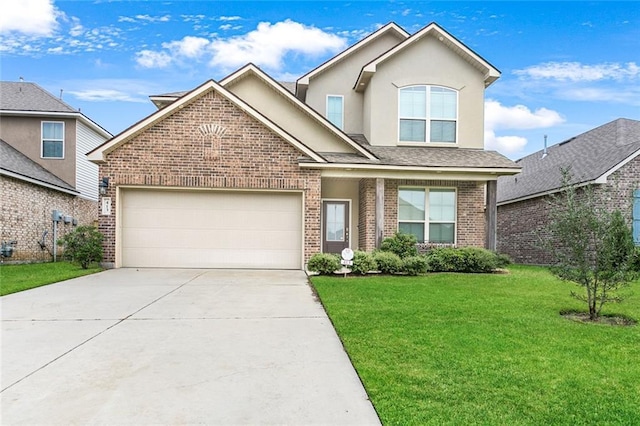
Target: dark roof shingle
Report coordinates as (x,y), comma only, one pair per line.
(588,156)
(23,96)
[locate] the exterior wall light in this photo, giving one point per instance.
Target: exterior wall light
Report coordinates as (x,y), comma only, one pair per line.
(104,184)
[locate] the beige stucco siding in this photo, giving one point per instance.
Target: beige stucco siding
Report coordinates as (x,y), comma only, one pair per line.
(340,78)
(345,189)
(428,62)
(287,115)
(25,134)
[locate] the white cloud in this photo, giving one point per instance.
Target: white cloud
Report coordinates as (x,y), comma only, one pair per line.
(518,117)
(229,18)
(151,59)
(269,43)
(30,17)
(265,46)
(106,95)
(189,47)
(577,72)
(225,27)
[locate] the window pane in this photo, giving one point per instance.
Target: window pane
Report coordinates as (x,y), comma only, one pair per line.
(52,131)
(413,102)
(442,205)
(335,222)
(441,233)
(413,130)
(411,204)
(443,103)
(335,110)
(52,149)
(443,131)
(416,229)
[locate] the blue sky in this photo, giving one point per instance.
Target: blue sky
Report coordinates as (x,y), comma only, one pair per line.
(567,66)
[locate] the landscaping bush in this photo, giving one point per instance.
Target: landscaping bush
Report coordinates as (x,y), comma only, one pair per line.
(445,259)
(404,245)
(388,262)
(363,262)
(478,260)
(466,259)
(503,260)
(83,245)
(414,265)
(324,263)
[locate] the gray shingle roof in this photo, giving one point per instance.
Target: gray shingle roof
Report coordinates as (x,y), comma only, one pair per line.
(589,156)
(14,161)
(23,96)
(418,156)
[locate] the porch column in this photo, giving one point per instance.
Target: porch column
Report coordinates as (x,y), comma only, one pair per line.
(379,211)
(491,215)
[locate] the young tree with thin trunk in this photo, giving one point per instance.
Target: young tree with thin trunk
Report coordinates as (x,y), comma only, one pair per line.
(592,246)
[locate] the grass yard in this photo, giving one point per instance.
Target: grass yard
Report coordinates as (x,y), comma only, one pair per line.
(14,278)
(485,349)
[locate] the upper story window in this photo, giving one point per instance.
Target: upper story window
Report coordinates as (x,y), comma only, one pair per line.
(52,139)
(335,110)
(428,114)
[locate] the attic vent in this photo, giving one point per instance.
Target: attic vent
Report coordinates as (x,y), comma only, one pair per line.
(212,130)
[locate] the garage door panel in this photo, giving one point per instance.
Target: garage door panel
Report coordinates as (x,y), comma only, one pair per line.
(211,229)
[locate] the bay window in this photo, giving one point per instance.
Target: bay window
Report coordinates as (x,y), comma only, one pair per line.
(428,213)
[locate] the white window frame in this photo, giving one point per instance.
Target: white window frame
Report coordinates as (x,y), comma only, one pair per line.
(341,126)
(428,118)
(42,139)
(426,220)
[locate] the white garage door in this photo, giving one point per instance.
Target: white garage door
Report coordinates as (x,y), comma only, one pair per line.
(206,229)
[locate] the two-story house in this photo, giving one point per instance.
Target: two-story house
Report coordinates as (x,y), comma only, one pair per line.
(43,167)
(385,136)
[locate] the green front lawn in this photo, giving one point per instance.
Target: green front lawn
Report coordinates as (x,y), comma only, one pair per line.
(14,278)
(485,349)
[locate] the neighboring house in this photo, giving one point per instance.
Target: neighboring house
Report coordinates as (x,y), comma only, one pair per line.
(385,136)
(43,167)
(605,157)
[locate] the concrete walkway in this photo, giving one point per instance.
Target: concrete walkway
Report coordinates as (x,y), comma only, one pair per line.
(154,346)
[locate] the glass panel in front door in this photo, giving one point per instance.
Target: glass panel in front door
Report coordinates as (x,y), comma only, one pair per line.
(335,222)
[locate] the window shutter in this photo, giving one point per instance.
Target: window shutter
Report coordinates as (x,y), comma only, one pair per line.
(636,216)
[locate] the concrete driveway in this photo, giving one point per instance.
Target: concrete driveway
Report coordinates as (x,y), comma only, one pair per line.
(154,346)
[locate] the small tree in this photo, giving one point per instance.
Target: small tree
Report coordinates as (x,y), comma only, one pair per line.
(592,246)
(83,245)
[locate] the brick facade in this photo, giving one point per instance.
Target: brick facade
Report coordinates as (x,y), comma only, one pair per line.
(174,153)
(25,215)
(522,225)
(367,215)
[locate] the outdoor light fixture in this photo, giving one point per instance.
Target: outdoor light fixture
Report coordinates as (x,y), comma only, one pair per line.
(104,185)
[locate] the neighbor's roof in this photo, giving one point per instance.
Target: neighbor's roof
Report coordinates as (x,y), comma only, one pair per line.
(591,157)
(15,164)
(24,96)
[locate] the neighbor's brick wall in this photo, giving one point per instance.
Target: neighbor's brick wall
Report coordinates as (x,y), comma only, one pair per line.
(173,153)
(522,225)
(25,214)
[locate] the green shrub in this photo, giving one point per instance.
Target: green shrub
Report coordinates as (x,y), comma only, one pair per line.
(503,260)
(363,262)
(478,260)
(634,260)
(444,259)
(388,263)
(414,265)
(404,245)
(465,259)
(324,263)
(83,245)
